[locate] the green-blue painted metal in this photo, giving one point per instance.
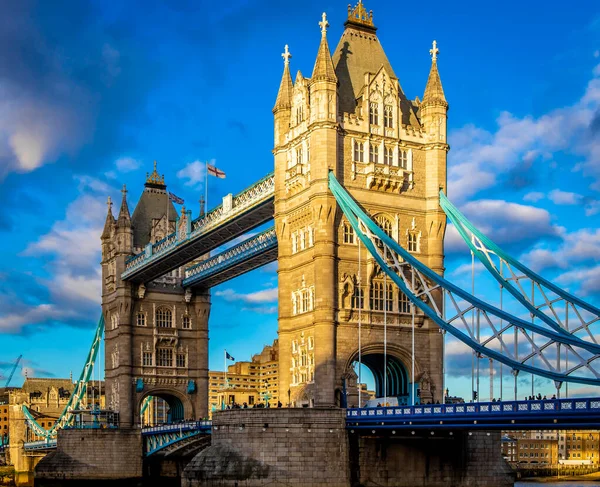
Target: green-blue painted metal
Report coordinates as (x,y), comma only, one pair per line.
(462,225)
(145,405)
(354,213)
(74,403)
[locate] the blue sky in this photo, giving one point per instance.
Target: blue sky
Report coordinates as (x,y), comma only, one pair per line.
(92,92)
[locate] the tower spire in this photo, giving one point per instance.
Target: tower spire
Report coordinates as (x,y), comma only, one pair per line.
(124,216)
(434,93)
(324,69)
(284,96)
(110,220)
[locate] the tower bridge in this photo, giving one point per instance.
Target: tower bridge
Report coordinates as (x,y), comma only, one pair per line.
(359,210)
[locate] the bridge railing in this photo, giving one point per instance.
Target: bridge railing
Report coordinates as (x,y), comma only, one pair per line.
(40,444)
(231,207)
(578,406)
(238,253)
(177,427)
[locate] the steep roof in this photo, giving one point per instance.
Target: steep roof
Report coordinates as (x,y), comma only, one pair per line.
(151,206)
(323,65)
(433,90)
(284,95)
(358,52)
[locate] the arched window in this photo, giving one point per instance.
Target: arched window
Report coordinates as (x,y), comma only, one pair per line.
(376,296)
(403,154)
(384,224)
(164,317)
(374,153)
(374,113)
(304,358)
(141,319)
(388,156)
(358,298)
(186,323)
(413,241)
(388,118)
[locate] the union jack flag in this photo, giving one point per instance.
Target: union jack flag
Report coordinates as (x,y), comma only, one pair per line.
(175,199)
(213,171)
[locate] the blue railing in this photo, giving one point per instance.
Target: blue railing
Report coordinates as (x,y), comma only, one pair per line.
(581,411)
(177,427)
(40,444)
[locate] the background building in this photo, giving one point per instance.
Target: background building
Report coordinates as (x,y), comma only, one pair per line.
(251,382)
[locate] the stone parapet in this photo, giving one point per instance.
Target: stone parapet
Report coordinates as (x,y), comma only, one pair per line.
(256,447)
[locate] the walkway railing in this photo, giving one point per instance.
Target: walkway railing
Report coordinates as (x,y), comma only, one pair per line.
(242,252)
(231,208)
(586,412)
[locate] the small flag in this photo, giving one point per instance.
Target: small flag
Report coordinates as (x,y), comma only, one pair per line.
(229,357)
(213,171)
(175,199)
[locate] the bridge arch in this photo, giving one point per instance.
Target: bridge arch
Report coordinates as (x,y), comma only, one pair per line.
(398,372)
(178,404)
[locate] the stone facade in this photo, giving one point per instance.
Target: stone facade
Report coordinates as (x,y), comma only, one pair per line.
(253,447)
(353,118)
(156,333)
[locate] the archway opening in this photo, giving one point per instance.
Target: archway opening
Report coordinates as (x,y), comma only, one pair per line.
(161,408)
(384,377)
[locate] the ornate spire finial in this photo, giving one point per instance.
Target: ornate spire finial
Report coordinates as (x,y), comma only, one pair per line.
(155,178)
(286,56)
(324,24)
(434,51)
(109,204)
(359,14)
(124,191)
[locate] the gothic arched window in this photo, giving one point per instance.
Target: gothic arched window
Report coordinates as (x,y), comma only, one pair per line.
(388,117)
(359,151)
(141,318)
(374,113)
(348,233)
(384,224)
(388,156)
(164,317)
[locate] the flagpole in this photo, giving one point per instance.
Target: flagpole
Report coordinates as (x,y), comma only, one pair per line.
(206,188)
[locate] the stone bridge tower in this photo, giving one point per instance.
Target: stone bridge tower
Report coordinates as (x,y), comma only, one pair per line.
(156,333)
(353,118)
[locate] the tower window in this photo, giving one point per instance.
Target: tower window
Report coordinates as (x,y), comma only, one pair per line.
(164,318)
(388,156)
(358,298)
(403,159)
(374,113)
(299,115)
(376,297)
(359,151)
(299,159)
(186,323)
(180,360)
(348,233)
(373,153)
(385,225)
(147,359)
(165,357)
(413,242)
(388,119)
(403,303)
(141,319)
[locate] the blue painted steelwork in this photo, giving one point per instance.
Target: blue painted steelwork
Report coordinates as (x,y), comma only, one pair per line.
(241,212)
(74,403)
(488,253)
(157,438)
(246,256)
(582,413)
(47,444)
(418,282)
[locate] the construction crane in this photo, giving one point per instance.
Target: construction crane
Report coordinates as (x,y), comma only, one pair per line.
(12,372)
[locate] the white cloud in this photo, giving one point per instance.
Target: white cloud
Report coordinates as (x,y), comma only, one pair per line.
(559,197)
(264,296)
(479,157)
(586,279)
(194,173)
(127,164)
(533,197)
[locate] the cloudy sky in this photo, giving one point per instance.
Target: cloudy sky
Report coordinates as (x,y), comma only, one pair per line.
(92,92)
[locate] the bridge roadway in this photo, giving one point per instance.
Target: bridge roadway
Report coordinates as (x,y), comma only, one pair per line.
(552,414)
(235,216)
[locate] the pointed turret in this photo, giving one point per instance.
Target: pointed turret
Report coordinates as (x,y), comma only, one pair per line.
(434,93)
(284,96)
(124,218)
(323,69)
(110,221)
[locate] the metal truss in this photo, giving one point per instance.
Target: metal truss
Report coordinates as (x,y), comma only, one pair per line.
(160,437)
(521,345)
(235,216)
(555,307)
(66,417)
(239,259)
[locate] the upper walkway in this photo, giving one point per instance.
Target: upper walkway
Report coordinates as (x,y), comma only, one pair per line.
(235,216)
(578,413)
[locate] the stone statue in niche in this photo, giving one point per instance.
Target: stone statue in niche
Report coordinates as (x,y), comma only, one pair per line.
(346,290)
(425,381)
(115,357)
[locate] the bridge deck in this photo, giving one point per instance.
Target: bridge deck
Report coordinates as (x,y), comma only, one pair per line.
(580,413)
(245,211)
